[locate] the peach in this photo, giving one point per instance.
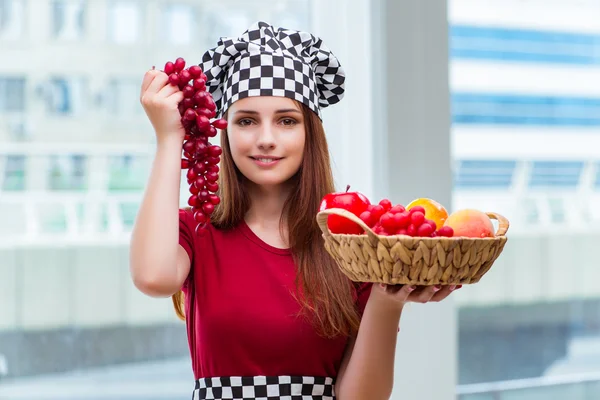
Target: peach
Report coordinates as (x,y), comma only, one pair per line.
(470,223)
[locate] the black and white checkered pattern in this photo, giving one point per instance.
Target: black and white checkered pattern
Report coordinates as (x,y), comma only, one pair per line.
(266,61)
(265,388)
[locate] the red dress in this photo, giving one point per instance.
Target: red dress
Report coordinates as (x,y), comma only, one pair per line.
(245,329)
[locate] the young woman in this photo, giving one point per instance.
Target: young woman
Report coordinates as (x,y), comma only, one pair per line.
(269,315)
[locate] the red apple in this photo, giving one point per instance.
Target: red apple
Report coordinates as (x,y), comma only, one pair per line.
(354,202)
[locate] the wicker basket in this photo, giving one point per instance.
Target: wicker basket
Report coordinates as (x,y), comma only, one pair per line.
(409,260)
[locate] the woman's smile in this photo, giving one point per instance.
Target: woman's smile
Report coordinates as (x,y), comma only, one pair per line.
(266,161)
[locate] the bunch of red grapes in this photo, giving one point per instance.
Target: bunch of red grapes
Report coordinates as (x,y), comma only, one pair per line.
(386,219)
(200,157)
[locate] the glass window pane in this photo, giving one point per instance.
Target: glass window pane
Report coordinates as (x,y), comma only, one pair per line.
(179,23)
(485,174)
(128,213)
(68,172)
(124,21)
(52,218)
(68,19)
(67,95)
(556,174)
(120,93)
(12,94)
(14,173)
(597,177)
(12,19)
(128,173)
(13,217)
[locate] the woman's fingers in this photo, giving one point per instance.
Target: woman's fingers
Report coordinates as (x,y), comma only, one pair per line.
(176,96)
(424,294)
(419,294)
(168,90)
(148,78)
(400,292)
(159,81)
(445,292)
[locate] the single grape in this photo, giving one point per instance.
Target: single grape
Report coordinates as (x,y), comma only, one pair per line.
(198,84)
(212,187)
(202,123)
(214,151)
(200,168)
(211,132)
(193,200)
(194,189)
(174,79)
(195,71)
(192,174)
(212,176)
(202,148)
(189,146)
(220,124)
(203,195)
(190,114)
(417,218)
(179,64)
(188,92)
(187,103)
(213,160)
(200,217)
(208,208)
(169,68)
(200,182)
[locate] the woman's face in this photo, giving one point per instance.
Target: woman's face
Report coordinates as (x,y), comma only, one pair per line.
(266,137)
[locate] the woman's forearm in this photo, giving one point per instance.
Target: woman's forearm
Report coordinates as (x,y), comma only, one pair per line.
(369,374)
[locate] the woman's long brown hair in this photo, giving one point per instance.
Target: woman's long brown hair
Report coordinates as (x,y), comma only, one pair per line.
(324,292)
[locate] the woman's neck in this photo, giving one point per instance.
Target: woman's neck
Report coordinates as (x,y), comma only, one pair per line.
(265,213)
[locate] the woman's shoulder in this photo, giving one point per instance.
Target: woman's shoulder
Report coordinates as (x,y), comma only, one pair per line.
(188,227)
(186,215)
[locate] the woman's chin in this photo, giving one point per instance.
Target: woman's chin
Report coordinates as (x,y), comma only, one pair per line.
(269,180)
(268,183)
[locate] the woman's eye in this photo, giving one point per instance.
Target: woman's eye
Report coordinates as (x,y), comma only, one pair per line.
(288,121)
(244,122)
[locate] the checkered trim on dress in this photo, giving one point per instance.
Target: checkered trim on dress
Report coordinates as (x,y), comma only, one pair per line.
(266,61)
(265,388)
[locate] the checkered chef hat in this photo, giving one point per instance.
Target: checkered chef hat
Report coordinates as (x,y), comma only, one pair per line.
(266,61)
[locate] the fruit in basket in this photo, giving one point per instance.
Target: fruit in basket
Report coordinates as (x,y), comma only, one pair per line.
(432,209)
(355,202)
(385,218)
(386,204)
(470,223)
(445,231)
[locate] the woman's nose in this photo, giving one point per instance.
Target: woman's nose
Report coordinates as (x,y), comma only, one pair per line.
(266,139)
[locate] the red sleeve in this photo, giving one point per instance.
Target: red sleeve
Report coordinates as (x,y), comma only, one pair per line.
(363,290)
(186,237)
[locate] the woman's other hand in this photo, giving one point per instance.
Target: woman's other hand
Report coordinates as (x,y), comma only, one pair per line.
(401,294)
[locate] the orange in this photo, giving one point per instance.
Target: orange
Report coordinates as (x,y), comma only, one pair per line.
(433,210)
